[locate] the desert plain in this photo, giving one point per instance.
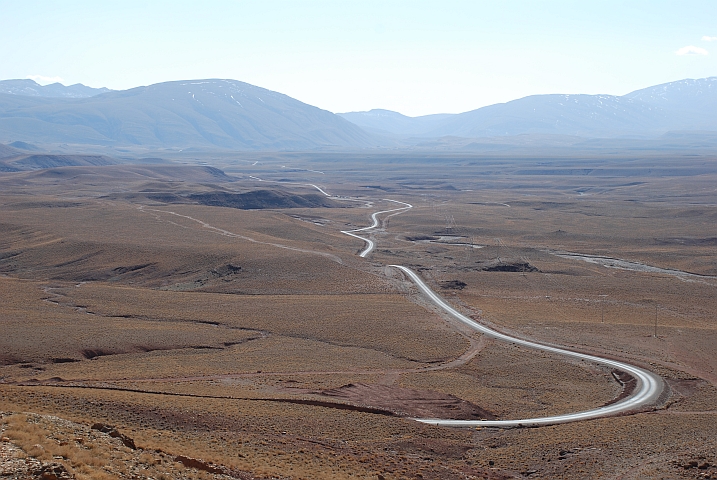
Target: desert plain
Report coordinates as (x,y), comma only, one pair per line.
(181,320)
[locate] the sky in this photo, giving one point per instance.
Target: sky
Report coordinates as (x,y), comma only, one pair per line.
(415,57)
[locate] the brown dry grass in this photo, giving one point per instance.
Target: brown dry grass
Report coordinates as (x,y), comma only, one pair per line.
(510,382)
(106,241)
(300,316)
(85,453)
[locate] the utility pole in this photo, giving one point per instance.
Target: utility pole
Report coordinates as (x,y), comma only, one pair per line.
(450,224)
(655,321)
(469,250)
(602,308)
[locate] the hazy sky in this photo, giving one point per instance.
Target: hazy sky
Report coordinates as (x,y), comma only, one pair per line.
(410,56)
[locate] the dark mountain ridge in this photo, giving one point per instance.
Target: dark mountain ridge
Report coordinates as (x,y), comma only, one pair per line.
(260,199)
(17,163)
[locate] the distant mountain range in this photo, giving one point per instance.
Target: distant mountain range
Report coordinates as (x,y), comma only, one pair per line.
(232,115)
(31,88)
(687,105)
(389,122)
(7,151)
(199,113)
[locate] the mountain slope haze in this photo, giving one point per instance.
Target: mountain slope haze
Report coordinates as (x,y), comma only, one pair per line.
(686,105)
(202,113)
(31,88)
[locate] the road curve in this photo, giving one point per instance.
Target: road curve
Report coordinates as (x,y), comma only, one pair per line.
(369,243)
(648,389)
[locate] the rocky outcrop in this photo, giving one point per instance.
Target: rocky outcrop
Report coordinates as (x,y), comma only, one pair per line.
(114,433)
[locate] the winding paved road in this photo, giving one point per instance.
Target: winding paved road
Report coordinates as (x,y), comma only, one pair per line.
(369,243)
(647,391)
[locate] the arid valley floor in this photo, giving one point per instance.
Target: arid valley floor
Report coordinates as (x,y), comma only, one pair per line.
(218,342)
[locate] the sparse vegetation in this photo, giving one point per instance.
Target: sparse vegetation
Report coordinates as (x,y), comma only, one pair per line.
(236,339)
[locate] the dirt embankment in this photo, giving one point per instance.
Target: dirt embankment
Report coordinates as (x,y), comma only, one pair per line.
(409,402)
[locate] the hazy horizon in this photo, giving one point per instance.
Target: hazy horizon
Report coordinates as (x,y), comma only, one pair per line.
(417,59)
(54,82)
